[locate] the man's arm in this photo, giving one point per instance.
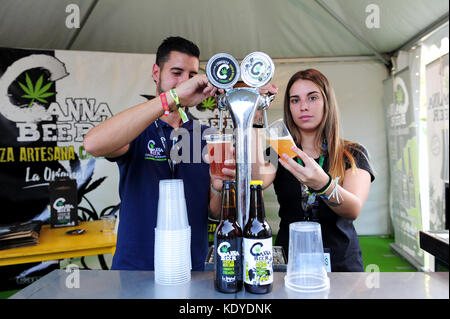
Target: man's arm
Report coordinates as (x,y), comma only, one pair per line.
(112,137)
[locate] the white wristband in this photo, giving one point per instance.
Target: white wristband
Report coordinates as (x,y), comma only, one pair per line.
(215,191)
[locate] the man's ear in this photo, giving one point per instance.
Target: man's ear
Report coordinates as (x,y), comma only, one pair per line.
(155,72)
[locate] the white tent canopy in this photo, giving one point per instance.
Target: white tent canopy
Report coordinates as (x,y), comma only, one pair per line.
(282,28)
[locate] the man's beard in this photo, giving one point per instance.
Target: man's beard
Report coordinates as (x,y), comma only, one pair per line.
(158,86)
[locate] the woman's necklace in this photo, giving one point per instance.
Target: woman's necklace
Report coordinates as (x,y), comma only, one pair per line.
(309,199)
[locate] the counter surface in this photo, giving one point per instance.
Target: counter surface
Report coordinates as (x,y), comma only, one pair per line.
(108,284)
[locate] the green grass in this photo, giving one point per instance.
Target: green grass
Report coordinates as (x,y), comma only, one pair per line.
(7,294)
(376,251)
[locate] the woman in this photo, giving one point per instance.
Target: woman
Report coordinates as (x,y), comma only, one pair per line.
(330,179)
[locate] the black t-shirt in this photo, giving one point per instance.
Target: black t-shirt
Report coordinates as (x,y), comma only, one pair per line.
(338,234)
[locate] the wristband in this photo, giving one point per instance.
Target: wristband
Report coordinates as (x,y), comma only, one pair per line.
(324,189)
(164,103)
(215,191)
(175,97)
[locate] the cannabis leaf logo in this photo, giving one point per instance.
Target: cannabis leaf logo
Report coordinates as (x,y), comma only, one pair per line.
(209,103)
(223,71)
(37,92)
(400,96)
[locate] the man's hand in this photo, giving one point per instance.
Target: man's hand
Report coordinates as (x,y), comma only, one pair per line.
(228,173)
(269,88)
(195,90)
(266,89)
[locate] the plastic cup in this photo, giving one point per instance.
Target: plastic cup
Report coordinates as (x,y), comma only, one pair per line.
(108,224)
(172,256)
(220,149)
(280,139)
(172,253)
(306,270)
(172,212)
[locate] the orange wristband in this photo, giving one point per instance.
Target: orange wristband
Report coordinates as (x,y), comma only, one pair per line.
(164,103)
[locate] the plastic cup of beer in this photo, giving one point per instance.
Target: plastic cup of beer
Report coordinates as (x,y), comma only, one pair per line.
(280,139)
(220,151)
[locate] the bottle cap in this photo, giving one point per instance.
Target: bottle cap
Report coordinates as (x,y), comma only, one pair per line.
(228,183)
(256,182)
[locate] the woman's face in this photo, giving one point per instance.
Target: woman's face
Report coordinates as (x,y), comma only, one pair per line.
(306,104)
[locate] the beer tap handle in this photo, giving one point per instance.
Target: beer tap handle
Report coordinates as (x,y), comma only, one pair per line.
(221,121)
(266,101)
(222,106)
(266,123)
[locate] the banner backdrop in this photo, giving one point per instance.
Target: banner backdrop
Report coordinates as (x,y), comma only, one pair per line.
(48,102)
(401,116)
(437,131)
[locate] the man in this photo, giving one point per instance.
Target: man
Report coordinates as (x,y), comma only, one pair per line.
(139,141)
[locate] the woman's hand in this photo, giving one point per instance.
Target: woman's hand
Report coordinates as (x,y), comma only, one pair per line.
(312,175)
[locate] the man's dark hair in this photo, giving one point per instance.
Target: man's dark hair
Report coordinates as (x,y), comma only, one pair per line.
(178,44)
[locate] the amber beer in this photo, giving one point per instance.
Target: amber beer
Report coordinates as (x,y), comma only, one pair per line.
(257,245)
(282,145)
(220,150)
(228,244)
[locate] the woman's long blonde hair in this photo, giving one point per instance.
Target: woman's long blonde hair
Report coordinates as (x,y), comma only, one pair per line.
(338,149)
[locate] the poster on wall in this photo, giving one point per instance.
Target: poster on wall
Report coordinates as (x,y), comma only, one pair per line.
(437,77)
(401,116)
(48,101)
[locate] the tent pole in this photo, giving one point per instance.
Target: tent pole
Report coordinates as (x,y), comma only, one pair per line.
(83,22)
(354,33)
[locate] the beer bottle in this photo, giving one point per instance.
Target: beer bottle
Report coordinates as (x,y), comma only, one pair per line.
(257,245)
(228,244)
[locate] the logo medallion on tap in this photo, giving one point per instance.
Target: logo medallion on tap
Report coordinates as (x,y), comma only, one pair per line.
(257,69)
(223,71)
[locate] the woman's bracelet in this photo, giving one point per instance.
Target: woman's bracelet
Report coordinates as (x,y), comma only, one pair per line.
(334,194)
(324,189)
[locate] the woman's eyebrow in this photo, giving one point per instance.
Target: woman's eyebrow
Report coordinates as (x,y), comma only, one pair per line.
(312,92)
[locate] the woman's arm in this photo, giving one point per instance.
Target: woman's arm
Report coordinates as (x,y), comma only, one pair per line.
(349,199)
(346,200)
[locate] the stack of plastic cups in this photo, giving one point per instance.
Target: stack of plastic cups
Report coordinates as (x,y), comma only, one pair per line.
(306,265)
(172,235)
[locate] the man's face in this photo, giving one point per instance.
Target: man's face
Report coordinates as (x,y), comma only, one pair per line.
(177,69)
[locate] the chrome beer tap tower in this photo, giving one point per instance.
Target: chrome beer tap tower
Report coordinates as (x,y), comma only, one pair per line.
(256,70)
